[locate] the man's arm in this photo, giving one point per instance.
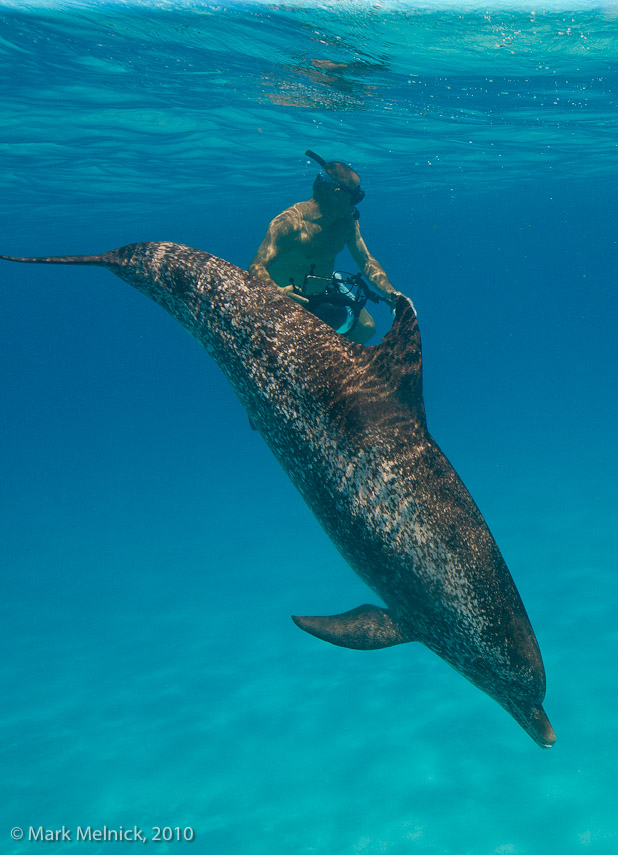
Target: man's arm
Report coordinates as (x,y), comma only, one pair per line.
(370,267)
(270,249)
(267,252)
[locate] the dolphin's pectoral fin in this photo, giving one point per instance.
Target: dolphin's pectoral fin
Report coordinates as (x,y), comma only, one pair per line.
(364,628)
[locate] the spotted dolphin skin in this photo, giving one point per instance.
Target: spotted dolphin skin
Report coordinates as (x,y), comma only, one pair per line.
(347,423)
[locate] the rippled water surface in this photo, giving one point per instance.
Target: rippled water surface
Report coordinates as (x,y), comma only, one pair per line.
(105,99)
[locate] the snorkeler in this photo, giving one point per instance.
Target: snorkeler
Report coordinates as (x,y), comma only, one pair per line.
(301,244)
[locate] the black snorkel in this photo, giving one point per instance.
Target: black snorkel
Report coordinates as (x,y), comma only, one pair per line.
(316,157)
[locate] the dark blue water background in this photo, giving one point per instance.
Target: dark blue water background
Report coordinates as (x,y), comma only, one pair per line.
(152,551)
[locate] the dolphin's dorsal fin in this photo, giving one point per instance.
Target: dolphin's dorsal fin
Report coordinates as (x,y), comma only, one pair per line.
(364,628)
(397,360)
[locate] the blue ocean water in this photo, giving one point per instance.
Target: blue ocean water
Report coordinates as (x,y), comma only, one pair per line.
(152,550)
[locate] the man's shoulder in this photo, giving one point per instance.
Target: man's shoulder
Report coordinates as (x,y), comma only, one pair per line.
(354,229)
(293,217)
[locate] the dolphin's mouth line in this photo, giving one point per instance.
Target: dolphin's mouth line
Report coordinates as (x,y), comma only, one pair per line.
(538,727)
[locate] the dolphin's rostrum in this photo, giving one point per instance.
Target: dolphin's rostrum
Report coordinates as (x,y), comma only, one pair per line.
(347,423)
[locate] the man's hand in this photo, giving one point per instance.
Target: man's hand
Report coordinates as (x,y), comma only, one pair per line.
(391,298)
(289,291)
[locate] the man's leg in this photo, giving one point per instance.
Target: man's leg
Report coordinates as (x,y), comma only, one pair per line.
(364,330)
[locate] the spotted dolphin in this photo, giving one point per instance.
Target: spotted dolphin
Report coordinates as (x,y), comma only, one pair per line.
(347,423)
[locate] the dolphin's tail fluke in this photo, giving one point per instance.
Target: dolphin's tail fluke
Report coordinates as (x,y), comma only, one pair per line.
(94,260)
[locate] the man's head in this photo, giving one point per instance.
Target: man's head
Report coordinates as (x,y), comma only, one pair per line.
(336,177)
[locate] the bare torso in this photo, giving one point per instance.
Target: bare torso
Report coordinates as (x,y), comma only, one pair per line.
(307,241)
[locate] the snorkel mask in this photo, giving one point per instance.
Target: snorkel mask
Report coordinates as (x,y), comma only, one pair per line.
(329,176)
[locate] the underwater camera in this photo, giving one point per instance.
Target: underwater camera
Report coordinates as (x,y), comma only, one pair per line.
(341,296)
